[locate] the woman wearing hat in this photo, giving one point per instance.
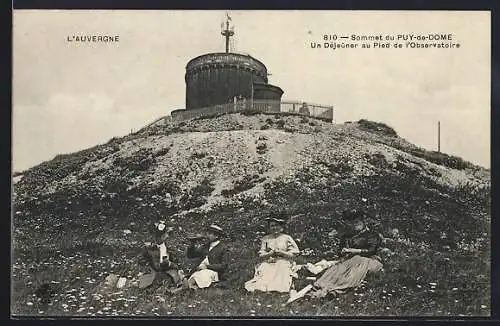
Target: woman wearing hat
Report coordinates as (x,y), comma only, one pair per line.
(278,251)
(211,258)
(358,248)
(157,258)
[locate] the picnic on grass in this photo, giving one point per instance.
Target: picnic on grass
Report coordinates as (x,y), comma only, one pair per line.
(208,262)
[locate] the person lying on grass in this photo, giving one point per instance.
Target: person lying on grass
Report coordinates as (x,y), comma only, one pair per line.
(358,249)
(157,259)
(211,258)
(278,251)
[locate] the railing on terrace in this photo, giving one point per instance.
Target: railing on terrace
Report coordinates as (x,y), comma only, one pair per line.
(265,106)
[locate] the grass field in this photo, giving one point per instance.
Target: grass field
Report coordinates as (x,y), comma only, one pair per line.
(425,273)
(436,264)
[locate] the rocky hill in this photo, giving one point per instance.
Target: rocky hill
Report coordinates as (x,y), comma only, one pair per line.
(89,212)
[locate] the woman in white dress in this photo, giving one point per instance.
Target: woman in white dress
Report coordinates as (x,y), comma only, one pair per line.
(278,251)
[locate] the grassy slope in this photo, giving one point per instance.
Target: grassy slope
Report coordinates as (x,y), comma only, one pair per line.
(443,232)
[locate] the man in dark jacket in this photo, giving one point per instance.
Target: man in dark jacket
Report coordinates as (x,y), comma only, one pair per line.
(210,259)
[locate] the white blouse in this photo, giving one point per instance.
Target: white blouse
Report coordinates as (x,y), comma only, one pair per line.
(163,252)
(282,242)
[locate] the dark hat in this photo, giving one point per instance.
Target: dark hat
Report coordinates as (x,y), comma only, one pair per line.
(352,215)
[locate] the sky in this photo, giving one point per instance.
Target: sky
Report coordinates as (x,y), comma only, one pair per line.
(69,96)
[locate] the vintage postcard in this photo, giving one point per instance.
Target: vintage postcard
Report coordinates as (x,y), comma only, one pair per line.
(175,163)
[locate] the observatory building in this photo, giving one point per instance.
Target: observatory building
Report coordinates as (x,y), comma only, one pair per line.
(219,78)
(227,82)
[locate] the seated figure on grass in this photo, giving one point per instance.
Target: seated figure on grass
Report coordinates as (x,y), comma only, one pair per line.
(278,251)
(358,249)
(210,258)
(155,256)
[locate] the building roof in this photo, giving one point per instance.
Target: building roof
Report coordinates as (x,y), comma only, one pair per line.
(222,57)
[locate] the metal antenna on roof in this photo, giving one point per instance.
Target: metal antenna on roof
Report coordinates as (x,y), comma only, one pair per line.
(228,32)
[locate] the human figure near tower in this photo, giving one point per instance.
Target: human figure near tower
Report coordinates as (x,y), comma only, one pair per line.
(304,109)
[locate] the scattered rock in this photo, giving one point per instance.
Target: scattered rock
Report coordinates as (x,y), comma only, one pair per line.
(121,282)
(111,281)
(333,233)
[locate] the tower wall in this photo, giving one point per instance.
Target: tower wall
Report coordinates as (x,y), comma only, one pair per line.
(216,78)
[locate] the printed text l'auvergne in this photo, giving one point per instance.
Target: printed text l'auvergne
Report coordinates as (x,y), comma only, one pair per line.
(93,38)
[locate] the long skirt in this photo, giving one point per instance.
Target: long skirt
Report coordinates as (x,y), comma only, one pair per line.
(174,277)
(272,276)
(347,274)
(204,278)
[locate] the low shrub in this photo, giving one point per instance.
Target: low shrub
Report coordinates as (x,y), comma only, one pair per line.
(261,148)
(242,184)
(341,166)
(450,161)
(197,196)
(377,160)
(377,127)
(142,160)
(162,151)
(198,155)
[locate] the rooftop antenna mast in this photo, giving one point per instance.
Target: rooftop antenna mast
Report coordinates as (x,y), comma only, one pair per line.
(228,31)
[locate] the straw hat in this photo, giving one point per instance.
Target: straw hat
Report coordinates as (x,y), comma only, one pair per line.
(216,229)
(276,220)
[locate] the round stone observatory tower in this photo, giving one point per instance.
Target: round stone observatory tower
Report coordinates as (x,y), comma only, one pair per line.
(217,78)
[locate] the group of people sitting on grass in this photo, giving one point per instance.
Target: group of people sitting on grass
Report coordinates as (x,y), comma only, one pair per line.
(208,260)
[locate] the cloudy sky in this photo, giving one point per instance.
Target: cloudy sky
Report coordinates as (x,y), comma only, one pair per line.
(70,96)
